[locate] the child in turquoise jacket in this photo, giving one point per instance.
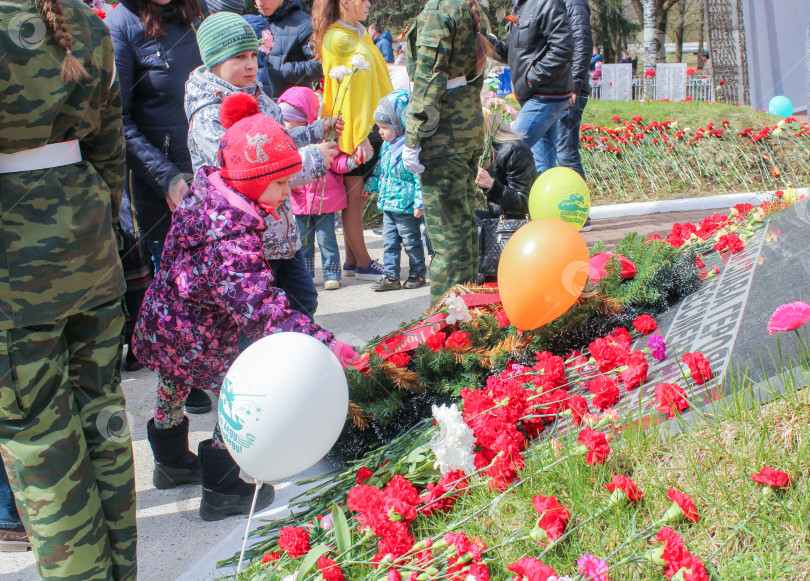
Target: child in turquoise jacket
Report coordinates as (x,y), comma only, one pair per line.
(399,196)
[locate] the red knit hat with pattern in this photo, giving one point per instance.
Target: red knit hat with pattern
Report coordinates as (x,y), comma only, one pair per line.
(255,149)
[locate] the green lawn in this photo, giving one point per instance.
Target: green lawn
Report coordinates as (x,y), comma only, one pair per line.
(690,114)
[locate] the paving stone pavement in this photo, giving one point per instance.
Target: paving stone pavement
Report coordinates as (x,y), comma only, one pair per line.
(172,538)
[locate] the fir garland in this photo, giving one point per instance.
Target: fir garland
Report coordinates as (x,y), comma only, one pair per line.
(390,399)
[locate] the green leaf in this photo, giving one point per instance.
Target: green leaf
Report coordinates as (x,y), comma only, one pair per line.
(343,535)
(309,561)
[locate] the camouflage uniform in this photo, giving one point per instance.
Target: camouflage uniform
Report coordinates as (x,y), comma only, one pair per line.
(63,432)
(448,125)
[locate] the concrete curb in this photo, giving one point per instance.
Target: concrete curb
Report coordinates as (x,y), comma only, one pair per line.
(724,201)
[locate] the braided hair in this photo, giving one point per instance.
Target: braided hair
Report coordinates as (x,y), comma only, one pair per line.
(72,69)
(482,49)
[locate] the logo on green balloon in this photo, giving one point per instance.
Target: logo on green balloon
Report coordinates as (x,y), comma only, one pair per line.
(573,209)
(235,416)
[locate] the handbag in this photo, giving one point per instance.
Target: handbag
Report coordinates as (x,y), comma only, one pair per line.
(493,235)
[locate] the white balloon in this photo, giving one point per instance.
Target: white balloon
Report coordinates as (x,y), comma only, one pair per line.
(282,405)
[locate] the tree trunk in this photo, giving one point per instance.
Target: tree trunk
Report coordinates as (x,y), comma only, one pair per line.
(652,42)
(679,31)
(700,40)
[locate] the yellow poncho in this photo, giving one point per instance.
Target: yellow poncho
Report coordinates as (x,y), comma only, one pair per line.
(366,88)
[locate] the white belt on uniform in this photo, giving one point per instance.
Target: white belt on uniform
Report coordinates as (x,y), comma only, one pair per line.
(45,157)
(452,83)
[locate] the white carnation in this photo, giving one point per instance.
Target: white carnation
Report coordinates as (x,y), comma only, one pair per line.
(359,62)
(453,445)
(339,73)
(457,311)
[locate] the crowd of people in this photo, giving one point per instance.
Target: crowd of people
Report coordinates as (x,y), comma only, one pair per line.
(234,168)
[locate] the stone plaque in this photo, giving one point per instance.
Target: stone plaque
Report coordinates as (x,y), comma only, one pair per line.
(727,319)
(670,82)
(617,82)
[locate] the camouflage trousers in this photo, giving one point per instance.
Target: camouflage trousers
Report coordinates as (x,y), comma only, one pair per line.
(65,441)
(448,197)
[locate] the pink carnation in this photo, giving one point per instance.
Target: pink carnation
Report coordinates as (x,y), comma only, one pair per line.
(789,317)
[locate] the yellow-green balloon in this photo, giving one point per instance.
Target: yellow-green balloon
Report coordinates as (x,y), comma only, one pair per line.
(560,192)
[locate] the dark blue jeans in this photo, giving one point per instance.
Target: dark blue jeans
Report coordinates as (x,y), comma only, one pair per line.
(536,124)
(400,229)
(292,276)
(9,517)
(568,135)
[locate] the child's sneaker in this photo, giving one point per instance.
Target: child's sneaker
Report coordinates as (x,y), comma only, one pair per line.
(384,284)
(349,269)
(331,284)
(414,282)
(371,272)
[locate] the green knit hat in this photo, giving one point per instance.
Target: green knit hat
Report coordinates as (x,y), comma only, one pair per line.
(224,35)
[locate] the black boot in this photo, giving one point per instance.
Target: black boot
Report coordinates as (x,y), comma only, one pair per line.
(223,492)
(198,402)
(174,463)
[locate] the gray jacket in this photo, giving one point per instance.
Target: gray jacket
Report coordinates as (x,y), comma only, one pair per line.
(204,94)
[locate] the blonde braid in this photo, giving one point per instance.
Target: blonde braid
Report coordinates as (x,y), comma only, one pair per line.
(72,69)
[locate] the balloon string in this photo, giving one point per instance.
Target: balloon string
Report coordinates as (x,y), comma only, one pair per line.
(247,528)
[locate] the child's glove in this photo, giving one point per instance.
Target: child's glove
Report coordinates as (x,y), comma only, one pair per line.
(345,354)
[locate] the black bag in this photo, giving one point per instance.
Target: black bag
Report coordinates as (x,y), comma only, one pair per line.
(493,235)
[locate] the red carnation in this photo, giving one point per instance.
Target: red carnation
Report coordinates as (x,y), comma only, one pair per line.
(363,474)
(731,242)
(436,341)
(645,324)
(636,372)
(596,444)
(606,353)
(682,506)
(553,516)
(699,368)
(606,394)
(770,477)
(270,557)
(502,318)
(100,13)
(579,407)
(330,570)
(294,540)
(551,368)
(671,399)
(457,339)
(532,569)
(400,359)
(627,486)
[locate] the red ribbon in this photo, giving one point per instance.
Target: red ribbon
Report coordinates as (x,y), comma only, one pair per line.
(410,339)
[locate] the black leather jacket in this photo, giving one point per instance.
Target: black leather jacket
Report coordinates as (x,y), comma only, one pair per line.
(579,15)
(538,49)
(514,174)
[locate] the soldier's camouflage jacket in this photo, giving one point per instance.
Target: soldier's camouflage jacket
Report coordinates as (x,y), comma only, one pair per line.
(441,46)
(58,253)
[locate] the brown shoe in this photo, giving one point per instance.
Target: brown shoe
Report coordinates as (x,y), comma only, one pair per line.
(14,540)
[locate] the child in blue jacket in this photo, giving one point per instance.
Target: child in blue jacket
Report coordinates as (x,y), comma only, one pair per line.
(399,196)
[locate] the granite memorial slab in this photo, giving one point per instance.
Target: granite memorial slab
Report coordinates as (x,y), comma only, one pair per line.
(727,318)
(617,82)
(670,82)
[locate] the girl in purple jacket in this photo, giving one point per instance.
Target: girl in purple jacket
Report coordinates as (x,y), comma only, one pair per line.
(215,286)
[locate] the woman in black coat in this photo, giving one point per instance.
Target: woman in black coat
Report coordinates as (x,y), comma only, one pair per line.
(507,176)
(155,52)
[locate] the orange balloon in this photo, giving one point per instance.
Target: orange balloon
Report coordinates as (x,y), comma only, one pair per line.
(542,272)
